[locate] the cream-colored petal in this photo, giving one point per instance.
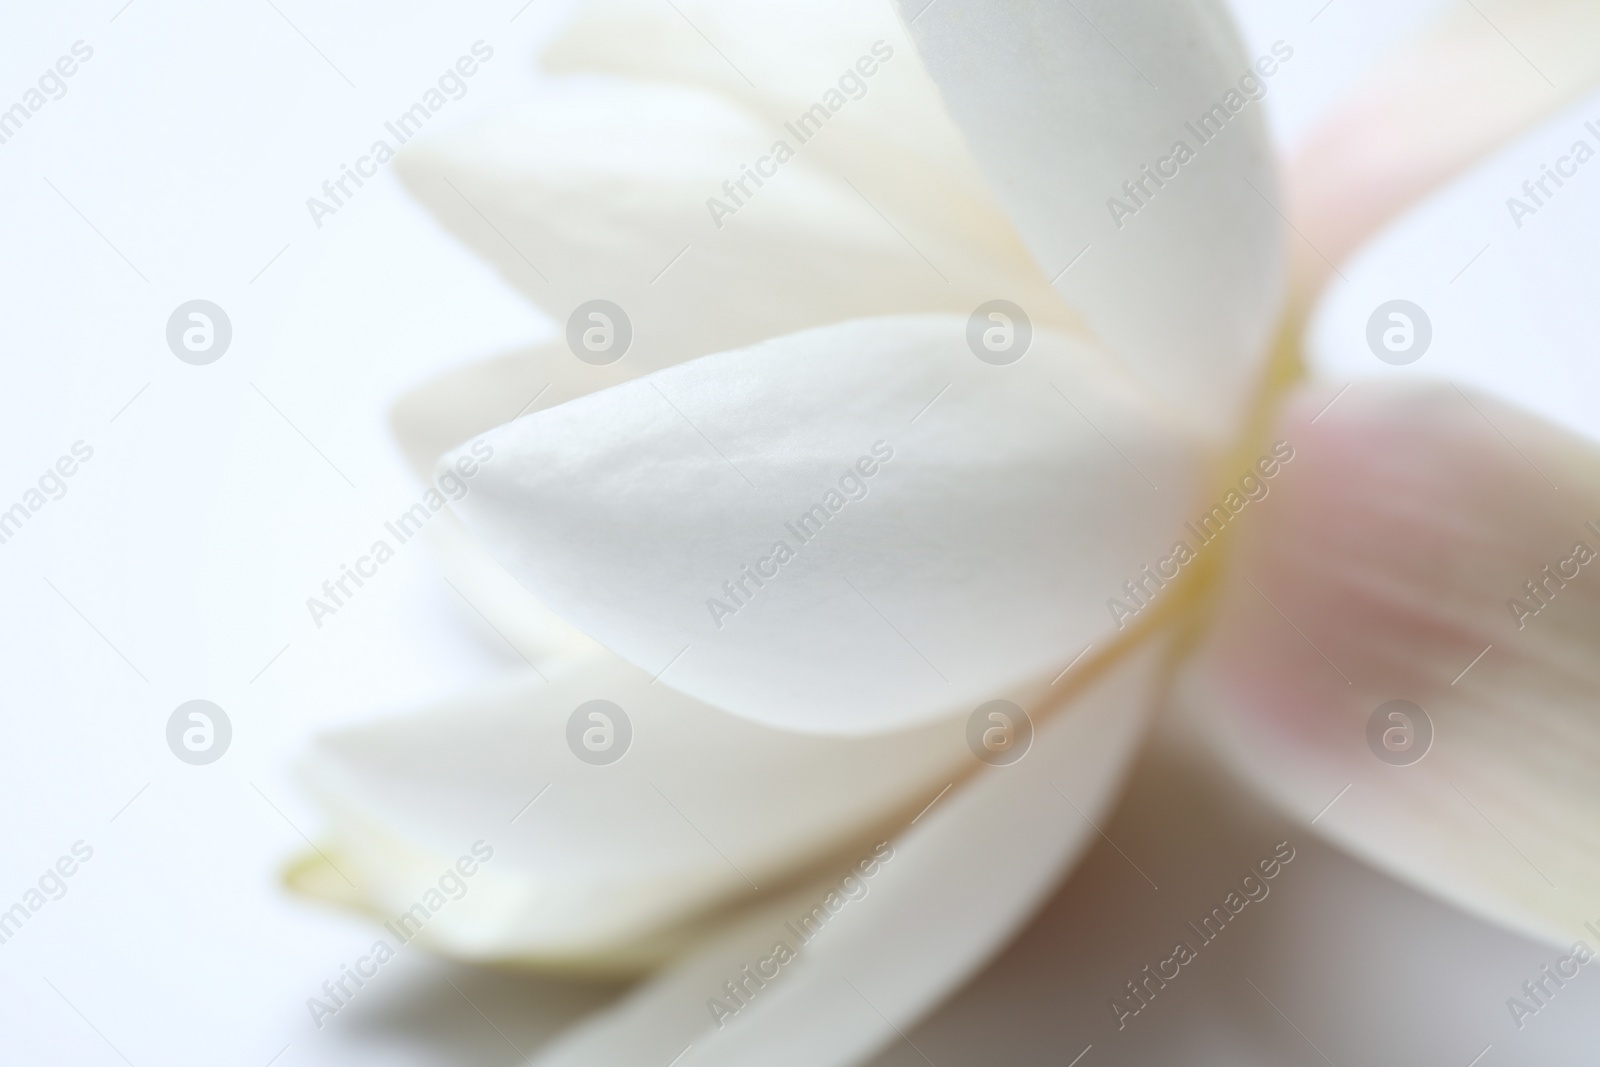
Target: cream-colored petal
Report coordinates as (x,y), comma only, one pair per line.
(1480,74)
(616,190)
(1064,103)
(1388,564)
(960,882)
(602,866)
(847,529)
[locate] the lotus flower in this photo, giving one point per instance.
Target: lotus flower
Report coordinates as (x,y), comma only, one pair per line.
(955,387)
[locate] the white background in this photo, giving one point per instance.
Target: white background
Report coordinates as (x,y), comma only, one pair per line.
(177,166)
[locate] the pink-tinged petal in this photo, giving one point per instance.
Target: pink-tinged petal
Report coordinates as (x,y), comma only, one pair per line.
(1498,268)
(1483,72)
(1388,564)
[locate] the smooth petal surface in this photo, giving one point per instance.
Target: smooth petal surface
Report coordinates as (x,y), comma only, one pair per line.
(453,409)
(1389,565)
(460,404)
(1476,78)
(961,881)
(838,80)
(1064,103)
(501,607)
(615,190)
(780,59)
(1504,281)
(847,529)
(603,866)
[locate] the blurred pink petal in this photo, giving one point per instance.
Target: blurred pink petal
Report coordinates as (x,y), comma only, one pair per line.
(1483,72)
(1388,565)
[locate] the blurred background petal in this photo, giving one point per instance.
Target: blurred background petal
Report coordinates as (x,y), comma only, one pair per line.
(1389,565)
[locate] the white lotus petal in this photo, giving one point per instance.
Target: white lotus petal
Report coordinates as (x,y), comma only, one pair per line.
(1479,75)
(1384,568)
(777,57)
(501,608)
(1508,305)
(1062,104)
(960,883)
(451,410)
(882,123)
(604,865)
(466,401)
(603,190)
(847,529)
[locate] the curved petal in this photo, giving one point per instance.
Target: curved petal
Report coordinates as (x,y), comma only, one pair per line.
(960,882)
(625,192)
(1503,279)
(848,529)
(1399,559)
(498,607)
(1063,104)
(1476,78)
(451,410)
(609,866)
(781,58)
(465,402)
